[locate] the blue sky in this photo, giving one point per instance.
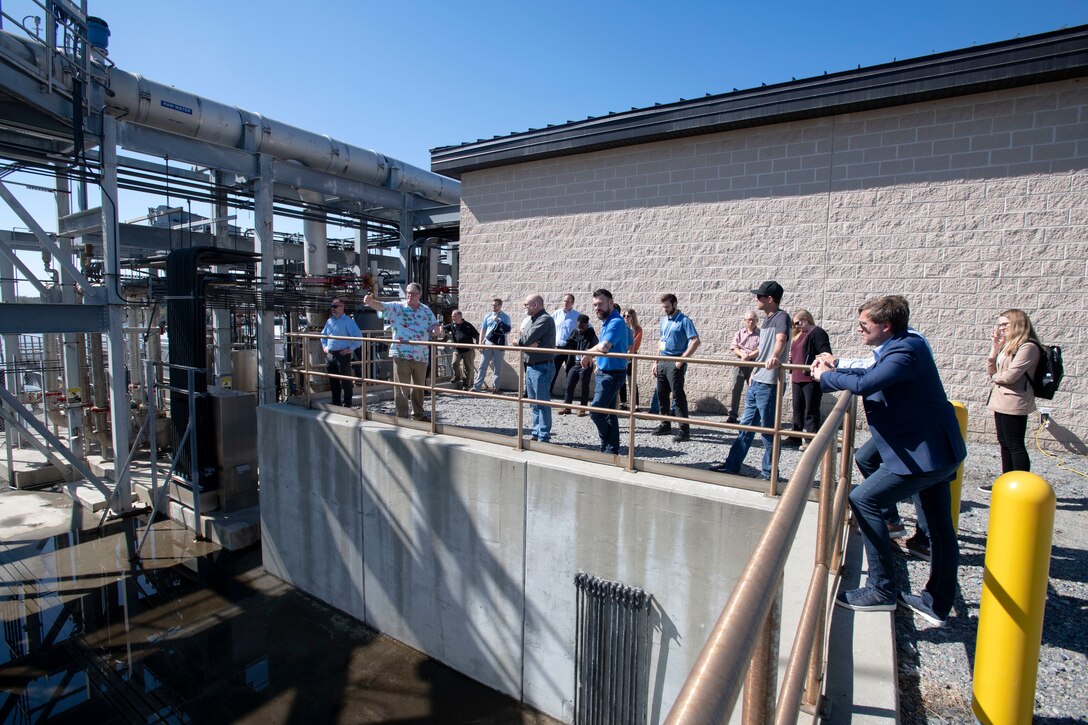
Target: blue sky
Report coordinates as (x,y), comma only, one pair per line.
(402,77)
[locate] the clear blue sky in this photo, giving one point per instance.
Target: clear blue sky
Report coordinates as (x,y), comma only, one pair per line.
(403,76)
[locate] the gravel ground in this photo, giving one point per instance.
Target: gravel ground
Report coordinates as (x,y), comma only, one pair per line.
(935,664)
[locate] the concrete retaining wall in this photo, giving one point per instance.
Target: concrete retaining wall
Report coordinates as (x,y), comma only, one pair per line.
(468,551)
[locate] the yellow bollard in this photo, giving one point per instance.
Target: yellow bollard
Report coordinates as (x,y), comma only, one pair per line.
(957,482)
(1014,579)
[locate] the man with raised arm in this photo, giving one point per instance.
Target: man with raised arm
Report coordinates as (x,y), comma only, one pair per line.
(412,321)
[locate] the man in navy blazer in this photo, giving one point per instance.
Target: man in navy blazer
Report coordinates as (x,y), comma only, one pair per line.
(915,429)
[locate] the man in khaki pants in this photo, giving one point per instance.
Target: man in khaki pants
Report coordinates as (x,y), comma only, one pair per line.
(411,321)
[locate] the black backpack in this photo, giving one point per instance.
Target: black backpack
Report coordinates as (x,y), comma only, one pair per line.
(1049,372)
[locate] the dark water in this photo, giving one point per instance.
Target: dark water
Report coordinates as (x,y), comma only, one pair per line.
(190,633)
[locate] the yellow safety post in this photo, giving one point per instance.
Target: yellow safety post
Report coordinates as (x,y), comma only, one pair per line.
(1014,579)
(957,482)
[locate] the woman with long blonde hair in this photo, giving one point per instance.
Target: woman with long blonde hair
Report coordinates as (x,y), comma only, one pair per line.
(1014,354)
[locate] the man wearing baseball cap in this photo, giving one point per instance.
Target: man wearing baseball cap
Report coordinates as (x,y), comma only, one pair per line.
(774,349)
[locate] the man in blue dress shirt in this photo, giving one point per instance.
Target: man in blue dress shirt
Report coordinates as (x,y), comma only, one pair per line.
(678,339)
(566,320)
(338,353)
(916,433)
(611,371)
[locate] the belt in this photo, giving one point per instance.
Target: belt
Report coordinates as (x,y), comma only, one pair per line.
(543,362)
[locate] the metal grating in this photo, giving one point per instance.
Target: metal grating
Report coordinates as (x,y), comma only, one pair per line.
(612,652)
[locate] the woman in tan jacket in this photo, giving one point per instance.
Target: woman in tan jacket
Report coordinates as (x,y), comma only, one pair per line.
(1014,355)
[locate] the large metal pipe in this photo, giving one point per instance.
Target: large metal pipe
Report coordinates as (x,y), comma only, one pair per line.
(142,101)
(314,230)
(136,99)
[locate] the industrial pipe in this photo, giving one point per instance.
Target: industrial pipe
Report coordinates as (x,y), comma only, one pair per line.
(139,100)
(314,231)
(145,102)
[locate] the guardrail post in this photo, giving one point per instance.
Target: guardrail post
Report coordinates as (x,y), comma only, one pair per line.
(762,677)
(194,471)
(825,538)
(776,444)
(957,482)
(631,416)
(152,439)
(305,347)
(365,374)
(1014,581)
(519,442)
(433,358)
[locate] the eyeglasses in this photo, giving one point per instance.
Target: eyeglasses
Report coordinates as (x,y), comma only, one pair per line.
(863,327)
(337,307)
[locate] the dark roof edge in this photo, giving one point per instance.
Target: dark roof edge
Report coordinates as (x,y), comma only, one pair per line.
(1052,56)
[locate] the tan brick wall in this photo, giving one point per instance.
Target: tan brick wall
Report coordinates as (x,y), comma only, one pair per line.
(966,206)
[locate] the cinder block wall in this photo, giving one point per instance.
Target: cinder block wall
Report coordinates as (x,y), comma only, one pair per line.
(967,206)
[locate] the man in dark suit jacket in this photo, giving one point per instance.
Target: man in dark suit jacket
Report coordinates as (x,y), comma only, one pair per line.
(915,429)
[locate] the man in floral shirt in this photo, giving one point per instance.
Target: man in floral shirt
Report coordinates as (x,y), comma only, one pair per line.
(411,321)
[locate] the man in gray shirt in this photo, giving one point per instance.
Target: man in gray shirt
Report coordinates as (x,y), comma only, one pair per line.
(539,366)
(759,403)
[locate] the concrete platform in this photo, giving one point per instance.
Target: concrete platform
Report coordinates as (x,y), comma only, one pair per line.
(862,685)
(89,497)
(232,531)
(30,468)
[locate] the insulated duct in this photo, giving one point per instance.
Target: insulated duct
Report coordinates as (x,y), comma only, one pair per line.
(142,101)
(136,99)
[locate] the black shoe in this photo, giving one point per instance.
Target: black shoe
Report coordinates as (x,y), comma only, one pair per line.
(731,419)
(662,430)
(681,435)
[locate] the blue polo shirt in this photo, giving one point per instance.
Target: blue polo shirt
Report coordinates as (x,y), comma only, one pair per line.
(614,329)
(675,333)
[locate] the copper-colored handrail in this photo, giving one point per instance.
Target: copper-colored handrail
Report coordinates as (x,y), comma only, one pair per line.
(712,687)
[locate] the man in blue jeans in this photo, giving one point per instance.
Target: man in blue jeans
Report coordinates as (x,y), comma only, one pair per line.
(759,402)
(920,446)
(611,371)
(539,366)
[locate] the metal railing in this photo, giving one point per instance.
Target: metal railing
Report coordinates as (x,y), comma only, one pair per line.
(741,648)
(630,461)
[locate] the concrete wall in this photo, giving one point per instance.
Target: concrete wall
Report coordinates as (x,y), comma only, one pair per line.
(468,551)
(968,206)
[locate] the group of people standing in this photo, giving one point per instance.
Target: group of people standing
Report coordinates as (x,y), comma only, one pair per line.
(915,446)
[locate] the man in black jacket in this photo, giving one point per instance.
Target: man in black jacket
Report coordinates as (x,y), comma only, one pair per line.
(583,338)
(462,332)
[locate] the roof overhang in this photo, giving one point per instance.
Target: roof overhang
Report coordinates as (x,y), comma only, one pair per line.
(1057,55)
